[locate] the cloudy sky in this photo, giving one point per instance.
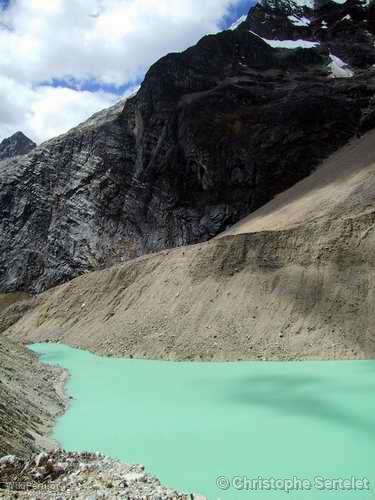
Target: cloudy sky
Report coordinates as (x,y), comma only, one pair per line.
(62,60)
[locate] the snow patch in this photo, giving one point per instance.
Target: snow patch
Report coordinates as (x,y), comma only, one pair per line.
(292,44)
(302,21)
(339,69)
(288,44)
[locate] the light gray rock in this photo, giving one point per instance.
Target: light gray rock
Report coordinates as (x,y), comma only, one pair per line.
(102,478)
(16,145)
(8,461)
(41,459)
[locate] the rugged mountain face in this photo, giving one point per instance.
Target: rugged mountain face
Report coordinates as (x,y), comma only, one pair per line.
(294,280)
(213,134)
(17,144)
(346,29)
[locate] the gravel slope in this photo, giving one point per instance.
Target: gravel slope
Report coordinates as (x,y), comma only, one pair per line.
(30,399)
(342,187)
(303,293)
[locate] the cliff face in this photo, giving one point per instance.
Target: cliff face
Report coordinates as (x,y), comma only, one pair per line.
(17,144)
(213,134)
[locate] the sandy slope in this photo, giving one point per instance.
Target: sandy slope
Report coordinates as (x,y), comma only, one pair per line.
(7,299)
(305,290)
(302,293)
(29,402)
(343,186)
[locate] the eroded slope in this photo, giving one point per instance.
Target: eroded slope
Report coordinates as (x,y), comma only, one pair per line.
(29,401)
(342,187)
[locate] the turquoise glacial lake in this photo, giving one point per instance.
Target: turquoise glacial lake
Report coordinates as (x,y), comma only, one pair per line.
(191,423)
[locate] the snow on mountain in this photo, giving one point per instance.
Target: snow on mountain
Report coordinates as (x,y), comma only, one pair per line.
(299,21)
(288,5)
(339,69)
(291,44)
(343,29)
(288,44)
(239,21)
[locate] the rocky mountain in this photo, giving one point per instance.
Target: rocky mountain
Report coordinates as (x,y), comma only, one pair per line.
(15,145)
(294,280)
(344,28)
(213,133)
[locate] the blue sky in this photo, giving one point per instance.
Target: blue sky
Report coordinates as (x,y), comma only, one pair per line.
(63,60)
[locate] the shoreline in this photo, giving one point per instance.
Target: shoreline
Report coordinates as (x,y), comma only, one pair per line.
(60,378)
(196,359)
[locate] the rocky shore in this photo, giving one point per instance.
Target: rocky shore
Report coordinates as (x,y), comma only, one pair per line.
(31,398)
(82,476)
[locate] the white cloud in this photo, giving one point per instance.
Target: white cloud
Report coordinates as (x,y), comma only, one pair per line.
(107,41)
(45,111)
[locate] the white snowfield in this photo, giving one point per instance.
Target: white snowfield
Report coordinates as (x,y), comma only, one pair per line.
(292,44)
(288,44)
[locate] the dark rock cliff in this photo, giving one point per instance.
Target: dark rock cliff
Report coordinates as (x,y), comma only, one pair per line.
(17,144)
(212,134)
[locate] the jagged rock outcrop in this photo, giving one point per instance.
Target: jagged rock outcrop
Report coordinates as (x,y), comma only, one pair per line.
(15,145)
(212,134)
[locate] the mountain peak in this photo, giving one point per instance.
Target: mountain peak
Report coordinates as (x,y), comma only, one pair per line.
(16,145)
(343,29)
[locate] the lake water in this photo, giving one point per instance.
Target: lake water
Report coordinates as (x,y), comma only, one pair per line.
(192,423)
